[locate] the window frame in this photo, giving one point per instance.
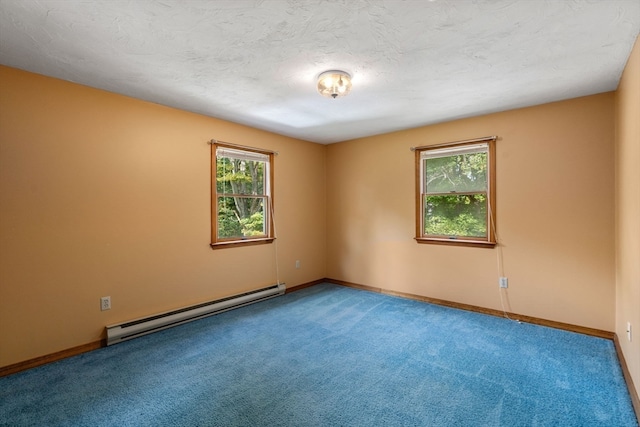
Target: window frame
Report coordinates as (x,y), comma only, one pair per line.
(269,237)
(485,242)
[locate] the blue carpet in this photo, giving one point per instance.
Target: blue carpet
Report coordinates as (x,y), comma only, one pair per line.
(331,356)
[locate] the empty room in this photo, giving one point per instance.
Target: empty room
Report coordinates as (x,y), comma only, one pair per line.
(319,213)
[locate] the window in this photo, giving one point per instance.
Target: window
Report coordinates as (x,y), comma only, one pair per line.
(242,196)
(455,193)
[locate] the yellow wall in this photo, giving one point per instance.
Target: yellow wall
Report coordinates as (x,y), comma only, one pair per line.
(106,195)
(555,214)
(628,212)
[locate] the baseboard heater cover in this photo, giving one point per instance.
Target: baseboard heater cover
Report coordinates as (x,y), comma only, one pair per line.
(139,327)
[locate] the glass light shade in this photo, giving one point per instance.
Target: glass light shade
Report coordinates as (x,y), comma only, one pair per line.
(334,83)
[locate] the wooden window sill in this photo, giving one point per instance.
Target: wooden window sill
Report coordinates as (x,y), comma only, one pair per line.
(237,243)
(455,242)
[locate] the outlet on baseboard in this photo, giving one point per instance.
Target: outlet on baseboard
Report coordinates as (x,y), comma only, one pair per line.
(503,282)
(105,303)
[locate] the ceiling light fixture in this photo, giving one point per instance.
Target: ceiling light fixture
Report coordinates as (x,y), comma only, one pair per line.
(334,83)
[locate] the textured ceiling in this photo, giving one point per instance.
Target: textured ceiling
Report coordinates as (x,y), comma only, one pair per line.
(255,62)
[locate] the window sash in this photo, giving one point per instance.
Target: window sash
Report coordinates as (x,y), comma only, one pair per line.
(459,177)
(442,152)
(244,233)
(474,229)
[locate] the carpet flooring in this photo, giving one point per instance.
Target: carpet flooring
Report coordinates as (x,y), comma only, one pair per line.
(332,356)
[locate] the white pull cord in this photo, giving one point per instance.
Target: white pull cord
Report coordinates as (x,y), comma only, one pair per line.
(275,242)
(500,262)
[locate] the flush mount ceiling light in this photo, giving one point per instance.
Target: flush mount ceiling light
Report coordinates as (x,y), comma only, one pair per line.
(334,83)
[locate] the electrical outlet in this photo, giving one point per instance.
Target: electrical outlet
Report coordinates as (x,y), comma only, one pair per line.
(297,263)
(629,331)
(503,282)
(105,303)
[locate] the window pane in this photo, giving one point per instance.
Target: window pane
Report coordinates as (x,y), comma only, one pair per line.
(460,215)
(240,217)
(460,173)
(237,176)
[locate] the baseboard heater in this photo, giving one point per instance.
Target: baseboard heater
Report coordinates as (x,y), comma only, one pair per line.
(136,328)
